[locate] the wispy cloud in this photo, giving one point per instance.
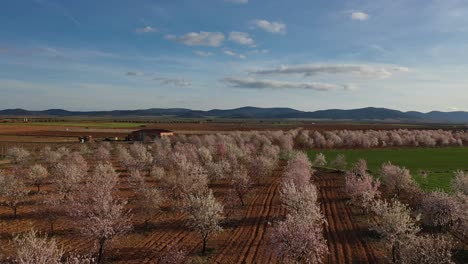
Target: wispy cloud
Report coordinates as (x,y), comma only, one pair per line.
(259,51)
(134,73)
(237,1)
(272,27)
(376,71)
(241,38)
(253,83)
(146,29)
(234,54)
(203,53)
(173,81)
(202,38)
(359,15)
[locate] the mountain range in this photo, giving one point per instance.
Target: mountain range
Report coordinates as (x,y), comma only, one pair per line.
(361,114)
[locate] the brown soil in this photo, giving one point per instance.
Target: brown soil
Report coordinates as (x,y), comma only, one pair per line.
(347,240)
(245,236)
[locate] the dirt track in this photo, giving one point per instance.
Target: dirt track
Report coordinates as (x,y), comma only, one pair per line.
(346,240)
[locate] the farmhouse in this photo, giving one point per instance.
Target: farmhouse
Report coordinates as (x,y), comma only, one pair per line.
(149,134)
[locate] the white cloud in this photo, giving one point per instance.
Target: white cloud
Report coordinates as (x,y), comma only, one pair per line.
(259,51)
(233,54)
(237,1)
(173,81)
(253,83)
(241,38)
(147,29)
(211,39)
(203,53)
(272,27)
(359,15)
(350,87)
(131,73)
(453,108)
(376,71)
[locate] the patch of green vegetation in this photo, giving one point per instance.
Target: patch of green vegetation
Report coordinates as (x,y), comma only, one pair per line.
(80,124)
(440,163)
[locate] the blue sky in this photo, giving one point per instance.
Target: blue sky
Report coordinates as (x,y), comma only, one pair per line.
(204,54)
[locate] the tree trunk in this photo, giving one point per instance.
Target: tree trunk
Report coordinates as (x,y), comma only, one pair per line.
(38,188)
(14,211)
(242,200)
(204,245)
(101,248)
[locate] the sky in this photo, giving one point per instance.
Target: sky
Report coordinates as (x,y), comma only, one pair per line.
(223,54)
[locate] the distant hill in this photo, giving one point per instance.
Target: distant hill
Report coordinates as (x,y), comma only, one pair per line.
(362,114)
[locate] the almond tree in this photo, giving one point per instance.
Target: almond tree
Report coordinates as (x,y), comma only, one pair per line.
(49,156)
(141,156)
(51,208)
(394,223)
(67,177)
(363,190)
(34,249)
(37,175)
(299,199)
(359,168)
(396,178)
(185,178)
(320,160)
(102,154)
(262,167)
(17,155)
(149,199)
(299,239)
(438,209)
(241,183)
(157,173)
(299,169)
(427,249)
(339,162)
(460,182)
(204,215)
(100,214)
(176,256)
(13,191)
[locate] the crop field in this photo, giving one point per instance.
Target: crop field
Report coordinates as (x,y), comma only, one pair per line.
(439,163)
(79,124)
(237,197)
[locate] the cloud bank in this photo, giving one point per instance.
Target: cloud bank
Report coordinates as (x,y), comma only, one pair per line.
(375,71)
(253,83)
(202,38)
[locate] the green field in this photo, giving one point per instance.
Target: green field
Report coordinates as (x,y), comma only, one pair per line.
(79,124)
(439,162)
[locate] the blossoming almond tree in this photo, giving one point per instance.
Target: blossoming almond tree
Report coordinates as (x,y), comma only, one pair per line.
(241,183)
(13,191)
(438,209)
(17,155)
(396,179)
(363,190)
(427,249)
(394,223)
(320,160)
(37,175)
(100,214)
(300,199)
(31,248)
(460,182)
(299,239)
(204,215)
